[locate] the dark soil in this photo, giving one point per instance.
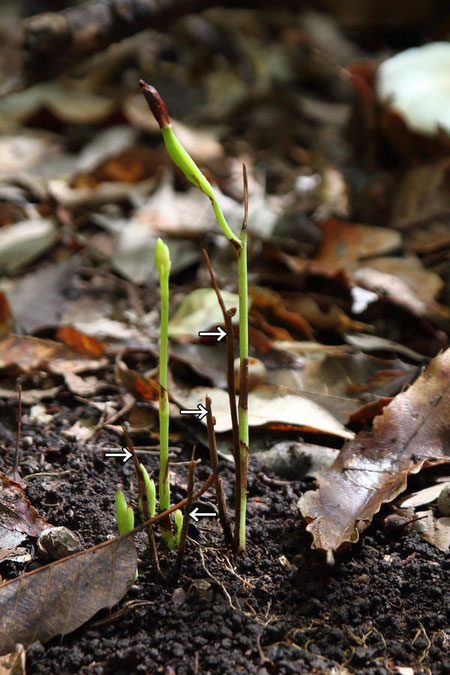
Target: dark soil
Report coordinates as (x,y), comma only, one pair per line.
(280,609)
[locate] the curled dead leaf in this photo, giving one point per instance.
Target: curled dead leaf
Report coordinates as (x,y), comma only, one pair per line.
(373,468)
(18,518)
(56,599)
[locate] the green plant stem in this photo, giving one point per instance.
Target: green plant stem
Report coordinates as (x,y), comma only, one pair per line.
(184,161)
(243,388)
(164,484)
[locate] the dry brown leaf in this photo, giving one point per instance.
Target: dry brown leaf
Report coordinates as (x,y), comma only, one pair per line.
(82,343)
(424,496)
(434,530)
(344,242)
(398,291)
(373,468)
(143,388)
(57,598)
(18,517)
(30,353)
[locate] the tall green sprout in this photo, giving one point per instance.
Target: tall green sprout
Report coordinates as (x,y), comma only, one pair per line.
(183,160)
(162,262)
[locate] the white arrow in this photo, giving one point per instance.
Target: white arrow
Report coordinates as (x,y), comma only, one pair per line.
(195,515)
(220,334)
(125,454)
(200,412)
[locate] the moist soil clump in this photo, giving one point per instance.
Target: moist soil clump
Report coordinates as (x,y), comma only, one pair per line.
(280,609)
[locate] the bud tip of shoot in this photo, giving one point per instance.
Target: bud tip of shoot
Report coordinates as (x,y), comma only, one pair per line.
(156,104)
(162,256)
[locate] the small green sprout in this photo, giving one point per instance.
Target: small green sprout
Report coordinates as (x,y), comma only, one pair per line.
(179,526)
(151,494)
(124,517)
(124,514)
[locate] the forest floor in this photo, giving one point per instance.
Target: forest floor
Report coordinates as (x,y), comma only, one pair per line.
(349,244)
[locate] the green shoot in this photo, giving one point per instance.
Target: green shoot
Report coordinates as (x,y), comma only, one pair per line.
(162,262)
(151,494)
(124,514)
(182,159)
(243,386)
(124,517)
(178,525)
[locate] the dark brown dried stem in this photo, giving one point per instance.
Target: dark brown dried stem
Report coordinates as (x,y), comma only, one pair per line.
(227,316)
(221,501)
(185,526)
(154,560)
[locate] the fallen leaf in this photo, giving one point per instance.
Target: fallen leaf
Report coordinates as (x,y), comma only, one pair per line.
(38,298)
(434,530)
(18,518)
(399,292)
(68,103)
(422,193)
(373,343)
(199,310)
(321,313)
(104,193)
(143,388)
(57,598)
(30,354)
(373,468)
(424,283)
(266,405)
(339,378)
(424,496)
(345,242)
(21,152)
(22,242)
(82,343)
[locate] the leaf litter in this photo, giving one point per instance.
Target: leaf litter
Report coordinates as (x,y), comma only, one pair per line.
(94,175)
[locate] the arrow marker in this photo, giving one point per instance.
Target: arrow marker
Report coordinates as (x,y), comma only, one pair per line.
(195,515)
(125,454)
(200,412)
(220,334)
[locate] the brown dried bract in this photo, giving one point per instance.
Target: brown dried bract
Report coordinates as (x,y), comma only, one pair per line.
(156,104)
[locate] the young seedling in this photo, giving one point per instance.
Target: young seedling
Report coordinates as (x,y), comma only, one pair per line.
(124,514)
(183,160)
(150,490)
(162,262)
(178,527)
(146,502)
